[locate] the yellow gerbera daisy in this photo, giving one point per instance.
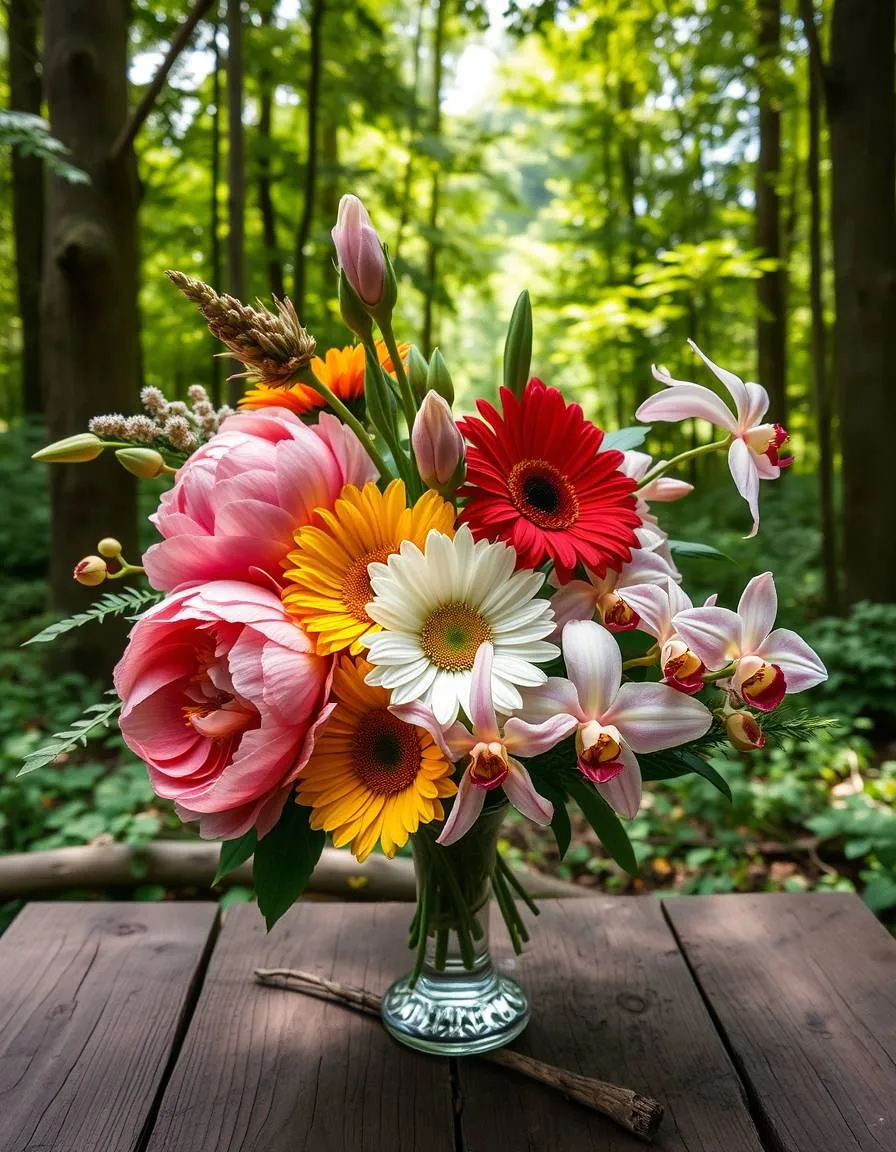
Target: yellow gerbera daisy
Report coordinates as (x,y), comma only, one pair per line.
(371,776)
(342,370)
(328,583)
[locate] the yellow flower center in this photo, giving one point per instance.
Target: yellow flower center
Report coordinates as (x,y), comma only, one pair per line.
(451,636)
(356,590)
(543,494)
(595,746)
(385,753)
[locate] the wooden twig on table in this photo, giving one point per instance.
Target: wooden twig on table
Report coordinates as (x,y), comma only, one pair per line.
(638,1114)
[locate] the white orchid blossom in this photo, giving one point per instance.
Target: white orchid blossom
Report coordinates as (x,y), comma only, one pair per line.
(758,450)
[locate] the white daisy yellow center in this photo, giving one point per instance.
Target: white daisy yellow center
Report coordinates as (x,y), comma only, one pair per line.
(452,634)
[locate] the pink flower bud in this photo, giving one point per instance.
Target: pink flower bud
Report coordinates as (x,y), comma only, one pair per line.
(744,732)
(359,250)
(91,571)
(438,445)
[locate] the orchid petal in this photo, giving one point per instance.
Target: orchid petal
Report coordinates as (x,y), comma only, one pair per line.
(713,634)
(574,601)
(454,741)
(651,602)
(556,695)
(801,666)
(654,716)
(757,403)
(465,811)
(741,461)
(482,707)
(665,489)
(684,401)
(594,665)
(740,392)
(525,739)
(757,609)
(520,791)
(623,792)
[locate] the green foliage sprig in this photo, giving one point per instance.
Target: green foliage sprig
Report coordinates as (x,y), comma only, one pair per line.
(30,135)
(96,716)
(111,604)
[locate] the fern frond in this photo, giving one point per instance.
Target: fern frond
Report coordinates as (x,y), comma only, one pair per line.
(96,716)
(133,600)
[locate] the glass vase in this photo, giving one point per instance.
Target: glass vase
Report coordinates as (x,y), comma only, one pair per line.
(453,1002)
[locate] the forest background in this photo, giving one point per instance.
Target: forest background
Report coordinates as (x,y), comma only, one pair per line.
(716,169)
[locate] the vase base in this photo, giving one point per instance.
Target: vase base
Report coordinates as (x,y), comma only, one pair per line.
(457,1017)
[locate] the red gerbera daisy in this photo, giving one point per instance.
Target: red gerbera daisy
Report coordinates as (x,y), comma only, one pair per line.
(536,481)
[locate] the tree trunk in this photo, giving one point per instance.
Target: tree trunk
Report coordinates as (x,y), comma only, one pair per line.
(330,189)
(25,95)
(236,174)
(435,128)
(265,149)
(820,385)
(216,278)
(404,216)
(862,119)
(89,301)
(771,287)
(303,231)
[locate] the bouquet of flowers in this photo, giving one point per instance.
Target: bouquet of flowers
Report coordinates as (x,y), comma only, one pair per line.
(374,621)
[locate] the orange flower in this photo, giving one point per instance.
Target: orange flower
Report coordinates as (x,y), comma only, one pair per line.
(342,370)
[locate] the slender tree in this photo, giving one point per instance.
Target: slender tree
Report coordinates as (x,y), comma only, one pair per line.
(771,287)
(89,307)
(407,180)
(862,120)
(309,189)
(216,278)
(821,389)
(236,172)
(265,152)
(25,95)
(435,128)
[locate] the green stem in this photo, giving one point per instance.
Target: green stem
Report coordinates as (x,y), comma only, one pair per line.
(515,926)
(423,928)
(515,884)
(347,418)
(721,674)
(640,661)
(681,458)
(404,385)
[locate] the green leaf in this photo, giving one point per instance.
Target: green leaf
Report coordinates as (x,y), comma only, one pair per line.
(234,853)
(604,821)
(284,861)
(96,716)
(624,439)
(703,768)
(698,551)
(561,827)
(111,604)
(677,762)
(518,346)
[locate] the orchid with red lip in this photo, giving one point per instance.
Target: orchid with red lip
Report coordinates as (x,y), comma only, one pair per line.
(580,599)
(765,664)
(758,451)
(657,607)
(492,752)
(614,722)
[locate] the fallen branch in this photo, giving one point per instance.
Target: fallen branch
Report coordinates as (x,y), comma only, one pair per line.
(640,1115)
(177,864)
(128,134)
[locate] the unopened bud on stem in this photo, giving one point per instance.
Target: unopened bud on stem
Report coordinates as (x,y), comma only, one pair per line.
(72,450)
(744,731)
(438,445)
(109,547)
(91,571)
(145,463)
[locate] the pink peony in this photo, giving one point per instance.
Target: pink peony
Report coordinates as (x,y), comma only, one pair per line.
(238,501)
(222,696)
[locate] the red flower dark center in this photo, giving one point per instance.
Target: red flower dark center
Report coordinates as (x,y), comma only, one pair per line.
(385,753)
(543,494)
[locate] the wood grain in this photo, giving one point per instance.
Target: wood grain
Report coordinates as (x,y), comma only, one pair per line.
(611,998)
(92,1000)
(804,989)
(264,1070)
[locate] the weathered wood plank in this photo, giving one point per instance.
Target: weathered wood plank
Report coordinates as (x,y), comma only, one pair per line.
(267,1070)
(611,998)
(92,999)
(804,989)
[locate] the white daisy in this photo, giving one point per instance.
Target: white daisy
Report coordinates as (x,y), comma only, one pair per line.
(436,607)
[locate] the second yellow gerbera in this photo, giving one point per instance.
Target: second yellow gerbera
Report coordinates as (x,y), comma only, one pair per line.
(371,777)
(328,586)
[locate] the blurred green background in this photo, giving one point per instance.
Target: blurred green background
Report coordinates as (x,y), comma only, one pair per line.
(649,171)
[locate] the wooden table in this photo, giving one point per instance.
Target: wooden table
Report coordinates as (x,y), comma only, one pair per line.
(761,1022)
